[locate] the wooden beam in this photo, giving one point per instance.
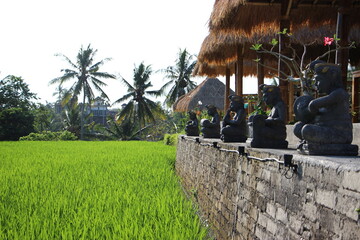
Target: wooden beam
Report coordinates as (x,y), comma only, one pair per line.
(342,32)
(239,71)
(227,89)
(355,96)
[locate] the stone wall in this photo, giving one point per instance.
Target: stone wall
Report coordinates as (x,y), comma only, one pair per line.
(245,198)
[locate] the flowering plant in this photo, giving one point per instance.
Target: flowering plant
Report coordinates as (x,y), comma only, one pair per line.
(296,71)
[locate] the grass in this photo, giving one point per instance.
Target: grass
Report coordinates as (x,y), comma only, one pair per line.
(93,190)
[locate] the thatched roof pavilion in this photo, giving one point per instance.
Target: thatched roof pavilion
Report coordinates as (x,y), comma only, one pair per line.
(210,91)
(236,24)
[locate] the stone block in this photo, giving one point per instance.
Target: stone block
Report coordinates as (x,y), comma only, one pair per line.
(347,205)
(282,215)
(351,181)
(325,198)
(310,211)
(295,224)
(271,209)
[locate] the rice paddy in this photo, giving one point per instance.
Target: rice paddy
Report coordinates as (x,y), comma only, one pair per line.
(93,190)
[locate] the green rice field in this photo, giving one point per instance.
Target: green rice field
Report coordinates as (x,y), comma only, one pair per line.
(93,190)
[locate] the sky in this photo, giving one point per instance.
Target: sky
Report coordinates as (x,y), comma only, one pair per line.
(128,32)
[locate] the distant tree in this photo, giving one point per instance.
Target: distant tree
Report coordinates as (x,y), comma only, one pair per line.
(15,93)
(179,77)
(87,77)
(140,109)
(16,108)
(42,116)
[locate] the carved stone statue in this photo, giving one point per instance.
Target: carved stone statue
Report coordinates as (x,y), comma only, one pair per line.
(211,129)
(324,125)
(234,126)
(269,131)
(192,127)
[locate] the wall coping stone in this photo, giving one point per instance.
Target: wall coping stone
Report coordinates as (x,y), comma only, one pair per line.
(339,163)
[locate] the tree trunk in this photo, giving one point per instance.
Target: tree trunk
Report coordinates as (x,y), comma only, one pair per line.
(82,117)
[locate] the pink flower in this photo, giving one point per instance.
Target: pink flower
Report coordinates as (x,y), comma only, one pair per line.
(328,41)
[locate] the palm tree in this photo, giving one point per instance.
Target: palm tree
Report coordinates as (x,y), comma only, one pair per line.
(87,77)
(179,77)
(139,109)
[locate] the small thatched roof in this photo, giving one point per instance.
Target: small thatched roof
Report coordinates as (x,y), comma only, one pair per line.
(210,91)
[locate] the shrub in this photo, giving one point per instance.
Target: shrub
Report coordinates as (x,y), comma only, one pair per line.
(50,136)
(171,139)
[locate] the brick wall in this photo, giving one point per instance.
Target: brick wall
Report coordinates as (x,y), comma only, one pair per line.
(243,198)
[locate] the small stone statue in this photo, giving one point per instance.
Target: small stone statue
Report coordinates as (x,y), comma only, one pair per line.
(324,125)
(192,127)
(269,131)
(211,129)
(234,127)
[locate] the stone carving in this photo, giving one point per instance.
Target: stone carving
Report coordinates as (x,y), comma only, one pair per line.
(234,126)
(324,126)
(192,127)
(211,129)
(269,131)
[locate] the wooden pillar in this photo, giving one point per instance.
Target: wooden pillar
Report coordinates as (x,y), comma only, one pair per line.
(342,32)
(239,71)
(227,89)
(355,96)
(283,41)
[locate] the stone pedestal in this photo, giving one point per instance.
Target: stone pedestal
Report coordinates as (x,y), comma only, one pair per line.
(328,149)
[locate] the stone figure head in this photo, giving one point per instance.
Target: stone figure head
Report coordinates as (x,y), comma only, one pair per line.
(271,94)
(327,77)
(236,102)
(211,109)
(192,115)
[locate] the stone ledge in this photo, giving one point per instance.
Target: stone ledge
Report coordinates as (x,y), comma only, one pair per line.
(339,163)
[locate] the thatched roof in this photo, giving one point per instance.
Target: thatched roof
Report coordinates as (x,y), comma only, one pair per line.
(210,91)
(257,18)
(236,23)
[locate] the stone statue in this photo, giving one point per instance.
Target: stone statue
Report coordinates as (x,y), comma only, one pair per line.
(269,131)
(234,126)
(192,127)
(324,125)
(211,129)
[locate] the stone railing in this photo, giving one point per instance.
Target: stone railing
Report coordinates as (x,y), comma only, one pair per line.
(248,193)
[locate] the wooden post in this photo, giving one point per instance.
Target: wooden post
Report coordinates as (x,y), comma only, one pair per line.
(239,71)
(283,41)
(227,89)
(355,96)
(342,32)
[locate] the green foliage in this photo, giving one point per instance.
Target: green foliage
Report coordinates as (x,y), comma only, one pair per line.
(179,77)
(171,139)
(256,46)
(50,136)
(15,93)
(93,190)
(87,78)
(140,110)
(15,123)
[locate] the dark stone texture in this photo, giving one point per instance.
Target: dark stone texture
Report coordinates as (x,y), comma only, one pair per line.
(211,129)
(324,126)
(269,131)
(234,122)
(192,127)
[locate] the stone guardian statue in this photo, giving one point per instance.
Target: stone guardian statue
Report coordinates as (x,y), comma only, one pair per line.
(211,129)
(269,131)
(234,122)
(325,126)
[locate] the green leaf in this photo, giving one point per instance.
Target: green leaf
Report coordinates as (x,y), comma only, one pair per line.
(256,46)
(274,42)
(336,38)
(257,60)
(283,31)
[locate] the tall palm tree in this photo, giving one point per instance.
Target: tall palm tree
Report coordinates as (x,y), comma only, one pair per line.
(140,109)
(179,77)
(87,77)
